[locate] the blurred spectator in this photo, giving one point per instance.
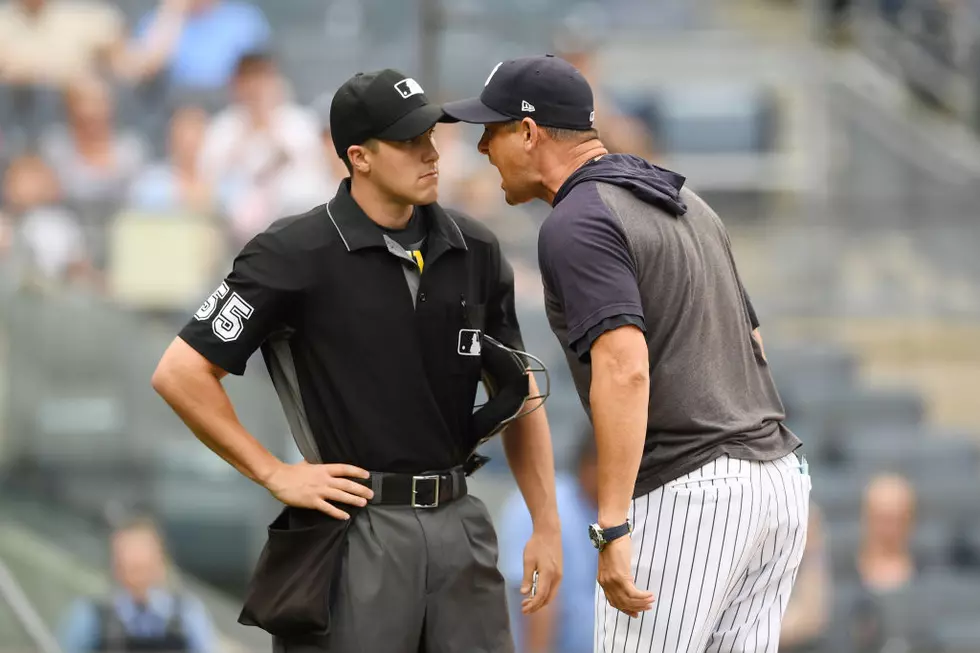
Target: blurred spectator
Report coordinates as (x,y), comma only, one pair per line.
(53,42)
(265,148)
(458,161)
(479,196)
(203,40)
(94,162)
(566,625)
(336,171)
(40,242)
(146,612)
(808,612)
(620,132)
(887,614)
(176,184)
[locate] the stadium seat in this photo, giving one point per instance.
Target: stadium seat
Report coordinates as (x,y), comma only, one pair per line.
(855,409)
(959,635)
(952,498)
(949,596)
(912,452)
(714,119)
(163,262)
(811,370)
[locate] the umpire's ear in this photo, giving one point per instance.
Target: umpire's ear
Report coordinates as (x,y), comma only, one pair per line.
(360,157)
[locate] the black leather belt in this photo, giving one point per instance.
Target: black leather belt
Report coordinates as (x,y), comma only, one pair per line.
(418,491)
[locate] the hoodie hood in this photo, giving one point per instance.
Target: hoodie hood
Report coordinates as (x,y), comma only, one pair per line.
(649,183)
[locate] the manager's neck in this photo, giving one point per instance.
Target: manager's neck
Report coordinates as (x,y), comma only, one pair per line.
(570,160)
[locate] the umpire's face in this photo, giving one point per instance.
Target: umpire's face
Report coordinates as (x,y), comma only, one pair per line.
(405,171)
(510,146)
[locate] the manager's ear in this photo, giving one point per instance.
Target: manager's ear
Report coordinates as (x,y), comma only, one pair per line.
(530,133)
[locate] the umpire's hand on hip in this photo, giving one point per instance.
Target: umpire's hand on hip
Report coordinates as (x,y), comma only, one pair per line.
(306,485)
(542,554)
(617,581)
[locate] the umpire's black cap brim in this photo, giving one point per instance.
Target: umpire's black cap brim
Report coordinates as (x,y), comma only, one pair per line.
(412,124)
(472,111)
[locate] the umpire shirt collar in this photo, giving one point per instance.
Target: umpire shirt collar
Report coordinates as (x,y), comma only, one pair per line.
(358,231)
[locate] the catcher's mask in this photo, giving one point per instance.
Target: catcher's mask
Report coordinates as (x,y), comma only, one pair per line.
(506,374)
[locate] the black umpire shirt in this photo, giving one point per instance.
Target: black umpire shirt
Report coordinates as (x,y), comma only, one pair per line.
(370,371)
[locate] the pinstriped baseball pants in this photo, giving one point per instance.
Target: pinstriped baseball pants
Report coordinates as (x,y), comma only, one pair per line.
(719,548)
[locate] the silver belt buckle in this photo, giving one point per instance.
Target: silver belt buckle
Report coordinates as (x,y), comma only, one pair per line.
(415,480)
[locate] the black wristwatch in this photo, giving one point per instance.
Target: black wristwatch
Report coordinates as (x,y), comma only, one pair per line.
(602,536)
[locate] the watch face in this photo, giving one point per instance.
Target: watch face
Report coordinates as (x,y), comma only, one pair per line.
(595,534)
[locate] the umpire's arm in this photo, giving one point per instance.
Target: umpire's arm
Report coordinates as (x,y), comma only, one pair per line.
(247,307)
(527,444)
(191,385)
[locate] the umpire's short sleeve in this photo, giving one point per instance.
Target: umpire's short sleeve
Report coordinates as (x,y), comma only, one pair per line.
(253,301)
(501,313)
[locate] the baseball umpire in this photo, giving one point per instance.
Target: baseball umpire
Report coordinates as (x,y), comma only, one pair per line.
(702,498)
(377,315)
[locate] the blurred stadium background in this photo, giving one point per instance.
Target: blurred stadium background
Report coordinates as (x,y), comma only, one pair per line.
(837,139)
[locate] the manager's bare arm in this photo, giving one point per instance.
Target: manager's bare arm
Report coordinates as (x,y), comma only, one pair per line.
(191,385)
(619,398)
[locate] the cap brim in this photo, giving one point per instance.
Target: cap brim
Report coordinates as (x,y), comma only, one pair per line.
(473,111)
(412,124)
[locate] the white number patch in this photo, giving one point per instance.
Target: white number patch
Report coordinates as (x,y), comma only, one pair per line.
(230,321)
(207,308)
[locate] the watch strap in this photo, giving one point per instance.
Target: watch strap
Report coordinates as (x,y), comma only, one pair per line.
(615,532)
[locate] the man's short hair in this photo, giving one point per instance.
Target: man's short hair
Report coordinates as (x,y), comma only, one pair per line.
(574,136)
(254,61)
(137,522)
(563,135)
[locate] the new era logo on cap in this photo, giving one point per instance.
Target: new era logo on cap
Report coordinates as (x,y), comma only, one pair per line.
(526,106)
(408,87)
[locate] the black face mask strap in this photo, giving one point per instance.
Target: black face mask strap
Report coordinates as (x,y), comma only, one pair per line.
(532,364)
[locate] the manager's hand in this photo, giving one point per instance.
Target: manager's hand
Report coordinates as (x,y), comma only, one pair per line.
(542,554)
(306,485)
(617,581)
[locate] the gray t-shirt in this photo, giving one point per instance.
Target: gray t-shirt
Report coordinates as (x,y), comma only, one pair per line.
(626,244)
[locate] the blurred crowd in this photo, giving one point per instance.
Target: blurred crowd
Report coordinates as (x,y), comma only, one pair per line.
(876,604)
(929,40)
(107,128)
(137,156)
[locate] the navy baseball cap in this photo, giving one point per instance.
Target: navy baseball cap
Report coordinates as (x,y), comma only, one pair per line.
(546,88)
(385,104)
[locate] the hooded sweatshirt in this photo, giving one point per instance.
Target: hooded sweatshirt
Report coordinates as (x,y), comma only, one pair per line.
(627,244)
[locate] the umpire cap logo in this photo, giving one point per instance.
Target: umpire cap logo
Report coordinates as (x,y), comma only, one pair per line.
(469,343)
(408,87)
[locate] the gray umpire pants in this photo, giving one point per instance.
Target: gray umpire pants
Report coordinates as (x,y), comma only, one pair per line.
(417,580)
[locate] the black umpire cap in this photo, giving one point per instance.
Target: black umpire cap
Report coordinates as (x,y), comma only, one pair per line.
(385,104)
(546,88)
